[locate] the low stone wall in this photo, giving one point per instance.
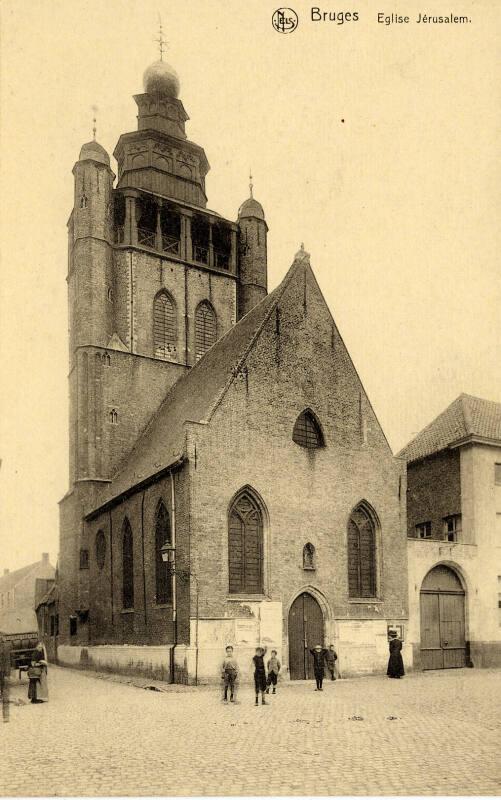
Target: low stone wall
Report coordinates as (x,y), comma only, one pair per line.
(150,661)
(362,647)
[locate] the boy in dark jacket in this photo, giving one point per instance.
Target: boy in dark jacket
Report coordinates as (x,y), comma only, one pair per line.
(318,654)
(259,674)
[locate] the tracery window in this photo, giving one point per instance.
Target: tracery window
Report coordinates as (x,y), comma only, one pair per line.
(162,535)
(164,325)
(245,546)
(307,432)
(205,328)
(361,553)
(127,565)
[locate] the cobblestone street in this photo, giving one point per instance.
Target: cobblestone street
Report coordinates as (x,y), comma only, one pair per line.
(431,733)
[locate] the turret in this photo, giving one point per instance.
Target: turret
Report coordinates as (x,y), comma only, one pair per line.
(89,241)
(90,278)
(252,267)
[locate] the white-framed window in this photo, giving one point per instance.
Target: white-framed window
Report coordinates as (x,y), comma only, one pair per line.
(452,527)
(423,530)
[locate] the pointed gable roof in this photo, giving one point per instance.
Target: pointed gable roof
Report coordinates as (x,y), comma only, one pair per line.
(194,397)
(466,419)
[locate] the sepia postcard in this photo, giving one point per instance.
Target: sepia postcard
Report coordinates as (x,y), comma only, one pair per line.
(250,449)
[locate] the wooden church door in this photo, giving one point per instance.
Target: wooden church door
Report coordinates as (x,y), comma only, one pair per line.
(306,629)
(442,620)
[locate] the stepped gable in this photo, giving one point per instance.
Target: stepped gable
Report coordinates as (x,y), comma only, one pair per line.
(194,397)
(466,417)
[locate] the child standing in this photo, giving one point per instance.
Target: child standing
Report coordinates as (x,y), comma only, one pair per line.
(259,674)
(229,674)
(331,658)
(273,670)
(318,654)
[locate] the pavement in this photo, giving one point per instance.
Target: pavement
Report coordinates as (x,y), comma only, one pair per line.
(429,733)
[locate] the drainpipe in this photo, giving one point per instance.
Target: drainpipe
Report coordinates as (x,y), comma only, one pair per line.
(174,578)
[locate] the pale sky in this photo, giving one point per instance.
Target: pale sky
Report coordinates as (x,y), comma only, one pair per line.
(398,205)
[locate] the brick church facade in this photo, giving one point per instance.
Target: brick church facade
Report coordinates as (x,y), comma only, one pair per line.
(229,481)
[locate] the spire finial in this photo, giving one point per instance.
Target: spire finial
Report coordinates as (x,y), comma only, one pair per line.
(94,122)
(302,255)
(251,185)
(161,41)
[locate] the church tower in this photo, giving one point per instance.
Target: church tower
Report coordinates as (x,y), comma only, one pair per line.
(253,267)
(155,278)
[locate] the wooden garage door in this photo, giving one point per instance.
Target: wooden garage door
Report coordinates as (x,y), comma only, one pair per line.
(443,643)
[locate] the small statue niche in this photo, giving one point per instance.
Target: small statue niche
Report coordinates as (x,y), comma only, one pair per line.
(309,560)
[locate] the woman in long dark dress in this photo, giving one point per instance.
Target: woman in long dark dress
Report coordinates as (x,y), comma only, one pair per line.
(395,662)
(38,691)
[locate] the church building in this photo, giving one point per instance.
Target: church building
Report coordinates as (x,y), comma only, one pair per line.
(229,480)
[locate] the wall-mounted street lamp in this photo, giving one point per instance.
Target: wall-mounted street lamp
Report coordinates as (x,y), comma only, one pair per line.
(168,552)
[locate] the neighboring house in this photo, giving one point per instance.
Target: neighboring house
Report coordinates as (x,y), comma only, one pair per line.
(454,537)
(216,425)
(46,607)
(18,594)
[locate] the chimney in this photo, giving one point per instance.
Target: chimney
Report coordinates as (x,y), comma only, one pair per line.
(6,572)
(45,558)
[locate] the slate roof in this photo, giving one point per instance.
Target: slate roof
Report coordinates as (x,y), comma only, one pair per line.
(10,581)
(51,596)
(467,417)
(194,396)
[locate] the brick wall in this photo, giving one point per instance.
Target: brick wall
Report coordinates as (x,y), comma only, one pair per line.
(433,491)
(299,361)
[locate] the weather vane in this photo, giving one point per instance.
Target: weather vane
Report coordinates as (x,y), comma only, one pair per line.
(251,185)
(94,121)
(161,41)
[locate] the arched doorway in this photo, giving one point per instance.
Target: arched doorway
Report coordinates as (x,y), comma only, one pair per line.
(306,629)
(443,643)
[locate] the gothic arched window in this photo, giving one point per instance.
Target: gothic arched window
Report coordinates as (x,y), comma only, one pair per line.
(100,549)
(361,553)
(127,565)
(245,546)
(307,431)
(162,535)
(164,325)
(205,328)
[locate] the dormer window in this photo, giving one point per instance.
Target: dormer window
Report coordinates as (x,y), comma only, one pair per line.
(307,432)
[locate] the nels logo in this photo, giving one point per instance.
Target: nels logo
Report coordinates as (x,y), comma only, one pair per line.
(285,20)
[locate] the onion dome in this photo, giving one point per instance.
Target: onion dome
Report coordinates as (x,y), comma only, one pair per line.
(251,208)
(161,78)
(93,151)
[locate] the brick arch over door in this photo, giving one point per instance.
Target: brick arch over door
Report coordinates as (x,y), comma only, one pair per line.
(245,545)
